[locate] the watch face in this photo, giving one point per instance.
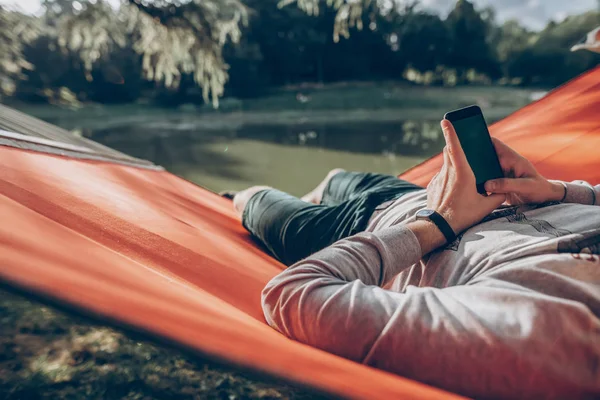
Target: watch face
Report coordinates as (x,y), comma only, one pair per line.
(425,213)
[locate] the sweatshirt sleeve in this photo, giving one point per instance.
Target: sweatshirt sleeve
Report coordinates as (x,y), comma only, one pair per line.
(582,192)
(322,299)
(482,340)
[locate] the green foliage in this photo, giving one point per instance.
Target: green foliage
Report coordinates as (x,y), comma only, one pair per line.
(173,38)
(16,33)
(179,51)
(434,52)
(511,39)
(165,41)
(545,57)
(351,13)
(469,32)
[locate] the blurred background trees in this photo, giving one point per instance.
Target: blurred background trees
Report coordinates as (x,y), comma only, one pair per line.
(176,51)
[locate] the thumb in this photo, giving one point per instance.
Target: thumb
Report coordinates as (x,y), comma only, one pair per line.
(508,185)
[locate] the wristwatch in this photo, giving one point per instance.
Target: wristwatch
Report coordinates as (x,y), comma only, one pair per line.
(439,221)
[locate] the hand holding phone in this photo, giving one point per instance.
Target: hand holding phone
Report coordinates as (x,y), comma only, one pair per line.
(451,192)
(477,145)
(525,184)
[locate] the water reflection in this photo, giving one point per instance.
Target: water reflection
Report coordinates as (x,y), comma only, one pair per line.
(287,149)
(292,157)
(167,147)
(413,138)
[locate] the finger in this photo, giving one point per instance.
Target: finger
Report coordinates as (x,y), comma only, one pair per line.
(456,153)
(506,155)
(447,160)
(432,181)
(501,147)
(508,185)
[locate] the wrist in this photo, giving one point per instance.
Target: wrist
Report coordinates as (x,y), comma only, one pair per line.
(557,191)
(449,216)
(428,234)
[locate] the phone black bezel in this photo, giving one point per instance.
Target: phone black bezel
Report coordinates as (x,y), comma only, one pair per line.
(468,112)
(462,113)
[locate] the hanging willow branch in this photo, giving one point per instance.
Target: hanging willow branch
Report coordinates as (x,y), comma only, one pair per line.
(350,13)
(173,38)
(17,31)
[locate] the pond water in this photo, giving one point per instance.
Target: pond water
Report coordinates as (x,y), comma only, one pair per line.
(288,149)
(290,157)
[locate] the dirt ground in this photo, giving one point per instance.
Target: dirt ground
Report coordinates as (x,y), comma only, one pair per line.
(47,354)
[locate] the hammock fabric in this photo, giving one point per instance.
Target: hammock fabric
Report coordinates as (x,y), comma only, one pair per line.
(148,251)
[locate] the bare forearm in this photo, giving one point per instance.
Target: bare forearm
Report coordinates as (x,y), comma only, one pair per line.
(428,235)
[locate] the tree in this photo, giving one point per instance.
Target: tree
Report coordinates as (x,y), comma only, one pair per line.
(56,9)
(512,38)
(425,40)
(17,32)
(470,48)
(291,42)
(350,13)
(544,58)
(510,41)
(298,47)
(173,37)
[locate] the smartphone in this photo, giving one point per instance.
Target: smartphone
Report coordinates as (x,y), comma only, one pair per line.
(476,142)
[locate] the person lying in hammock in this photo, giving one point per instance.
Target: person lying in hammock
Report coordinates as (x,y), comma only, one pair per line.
(508,308)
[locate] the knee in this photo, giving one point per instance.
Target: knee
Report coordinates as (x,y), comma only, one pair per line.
(334,172)
(241,198)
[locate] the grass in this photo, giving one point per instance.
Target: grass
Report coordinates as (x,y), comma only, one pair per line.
(380,96)
(46,354)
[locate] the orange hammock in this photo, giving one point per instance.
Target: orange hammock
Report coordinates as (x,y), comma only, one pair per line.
(151,252)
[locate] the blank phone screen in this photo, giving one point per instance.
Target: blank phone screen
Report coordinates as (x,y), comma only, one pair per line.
(478,147)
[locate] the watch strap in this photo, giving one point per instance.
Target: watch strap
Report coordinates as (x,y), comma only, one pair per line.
(442,225)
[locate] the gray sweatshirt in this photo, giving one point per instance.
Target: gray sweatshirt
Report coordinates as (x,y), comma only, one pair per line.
(510,309)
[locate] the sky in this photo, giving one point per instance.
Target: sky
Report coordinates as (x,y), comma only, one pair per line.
(532,13)
(32,6)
